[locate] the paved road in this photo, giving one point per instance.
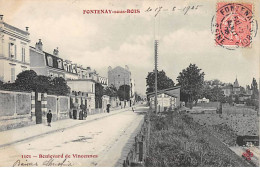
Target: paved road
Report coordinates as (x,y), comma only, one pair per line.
(103,140)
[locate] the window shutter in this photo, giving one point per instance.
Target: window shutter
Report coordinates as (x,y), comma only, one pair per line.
(15,51)
(23,54)
(9,52)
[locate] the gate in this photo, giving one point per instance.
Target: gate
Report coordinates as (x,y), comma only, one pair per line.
(38,108)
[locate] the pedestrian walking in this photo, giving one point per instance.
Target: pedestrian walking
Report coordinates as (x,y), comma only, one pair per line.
(108,108)
(49,117)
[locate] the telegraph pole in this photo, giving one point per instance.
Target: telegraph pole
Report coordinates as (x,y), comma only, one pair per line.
(124,92)
(155,72)
(155,96)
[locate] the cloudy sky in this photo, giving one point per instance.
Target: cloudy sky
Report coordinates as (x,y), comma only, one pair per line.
(102,40)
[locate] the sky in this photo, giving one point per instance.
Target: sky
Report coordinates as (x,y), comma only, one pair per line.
(103,40)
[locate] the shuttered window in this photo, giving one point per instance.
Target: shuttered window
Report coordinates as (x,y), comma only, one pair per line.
(12,75)
(12,50)
(23,54)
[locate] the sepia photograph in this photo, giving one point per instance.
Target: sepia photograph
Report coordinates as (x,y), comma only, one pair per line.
(134,83)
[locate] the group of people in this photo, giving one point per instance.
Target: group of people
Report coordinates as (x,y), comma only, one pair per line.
(82,113)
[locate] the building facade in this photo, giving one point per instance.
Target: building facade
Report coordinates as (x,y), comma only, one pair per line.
(14,51)
(166,99)
(44,63)
(119,76)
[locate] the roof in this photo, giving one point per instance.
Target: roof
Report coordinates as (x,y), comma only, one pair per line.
(165,91)
(236,83)
(16,29)
(71,80)
(119,67)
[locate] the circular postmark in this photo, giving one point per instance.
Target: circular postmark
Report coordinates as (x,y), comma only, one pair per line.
(234,25)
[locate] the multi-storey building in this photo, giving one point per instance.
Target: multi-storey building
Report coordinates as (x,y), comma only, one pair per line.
(44,63)
(119,76)
(78,78)
(14,51)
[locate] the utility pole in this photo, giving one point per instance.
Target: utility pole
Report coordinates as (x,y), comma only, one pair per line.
(155,72)
(155,96)
(124,93)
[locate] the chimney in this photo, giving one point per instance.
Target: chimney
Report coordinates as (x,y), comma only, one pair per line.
(38,45)
(1,17)
(27,28)
(56,51)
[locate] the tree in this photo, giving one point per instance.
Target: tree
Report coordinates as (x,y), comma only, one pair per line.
(163,82)
(217,95)
(214,94)
(26,80)
(110,91)
(206,92)
(98,95)
(58,86)
(216,82)
(29,81)
(124,92)
(191,81)
(43,85)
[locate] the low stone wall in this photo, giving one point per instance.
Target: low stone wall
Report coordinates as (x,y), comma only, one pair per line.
(15,110)
(59,106)
(238,110)
(210,104)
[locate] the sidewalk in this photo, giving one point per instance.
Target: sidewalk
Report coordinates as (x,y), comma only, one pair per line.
(10,137)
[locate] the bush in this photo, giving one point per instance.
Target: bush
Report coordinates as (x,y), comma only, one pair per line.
(29,81)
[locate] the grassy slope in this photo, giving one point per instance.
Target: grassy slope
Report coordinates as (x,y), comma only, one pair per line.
(177,140)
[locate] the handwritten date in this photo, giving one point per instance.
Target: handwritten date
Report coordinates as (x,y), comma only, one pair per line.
(185,9)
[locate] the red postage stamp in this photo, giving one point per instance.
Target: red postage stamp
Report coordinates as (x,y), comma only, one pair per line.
(234,24)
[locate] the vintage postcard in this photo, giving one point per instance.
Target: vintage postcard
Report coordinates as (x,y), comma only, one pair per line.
(134,83)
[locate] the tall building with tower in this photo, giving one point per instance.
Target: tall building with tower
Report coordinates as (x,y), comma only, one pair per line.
(119,76)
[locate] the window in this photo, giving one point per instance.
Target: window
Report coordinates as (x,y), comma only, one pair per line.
(12,50)
(65,66)
(50,61)
(59,64)
(12,75)
(23,54)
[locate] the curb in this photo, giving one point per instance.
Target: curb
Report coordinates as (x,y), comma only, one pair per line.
(61,129)
(129,145)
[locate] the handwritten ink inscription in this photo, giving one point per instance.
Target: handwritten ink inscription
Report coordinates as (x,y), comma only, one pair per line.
(58,160)
(185,10)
